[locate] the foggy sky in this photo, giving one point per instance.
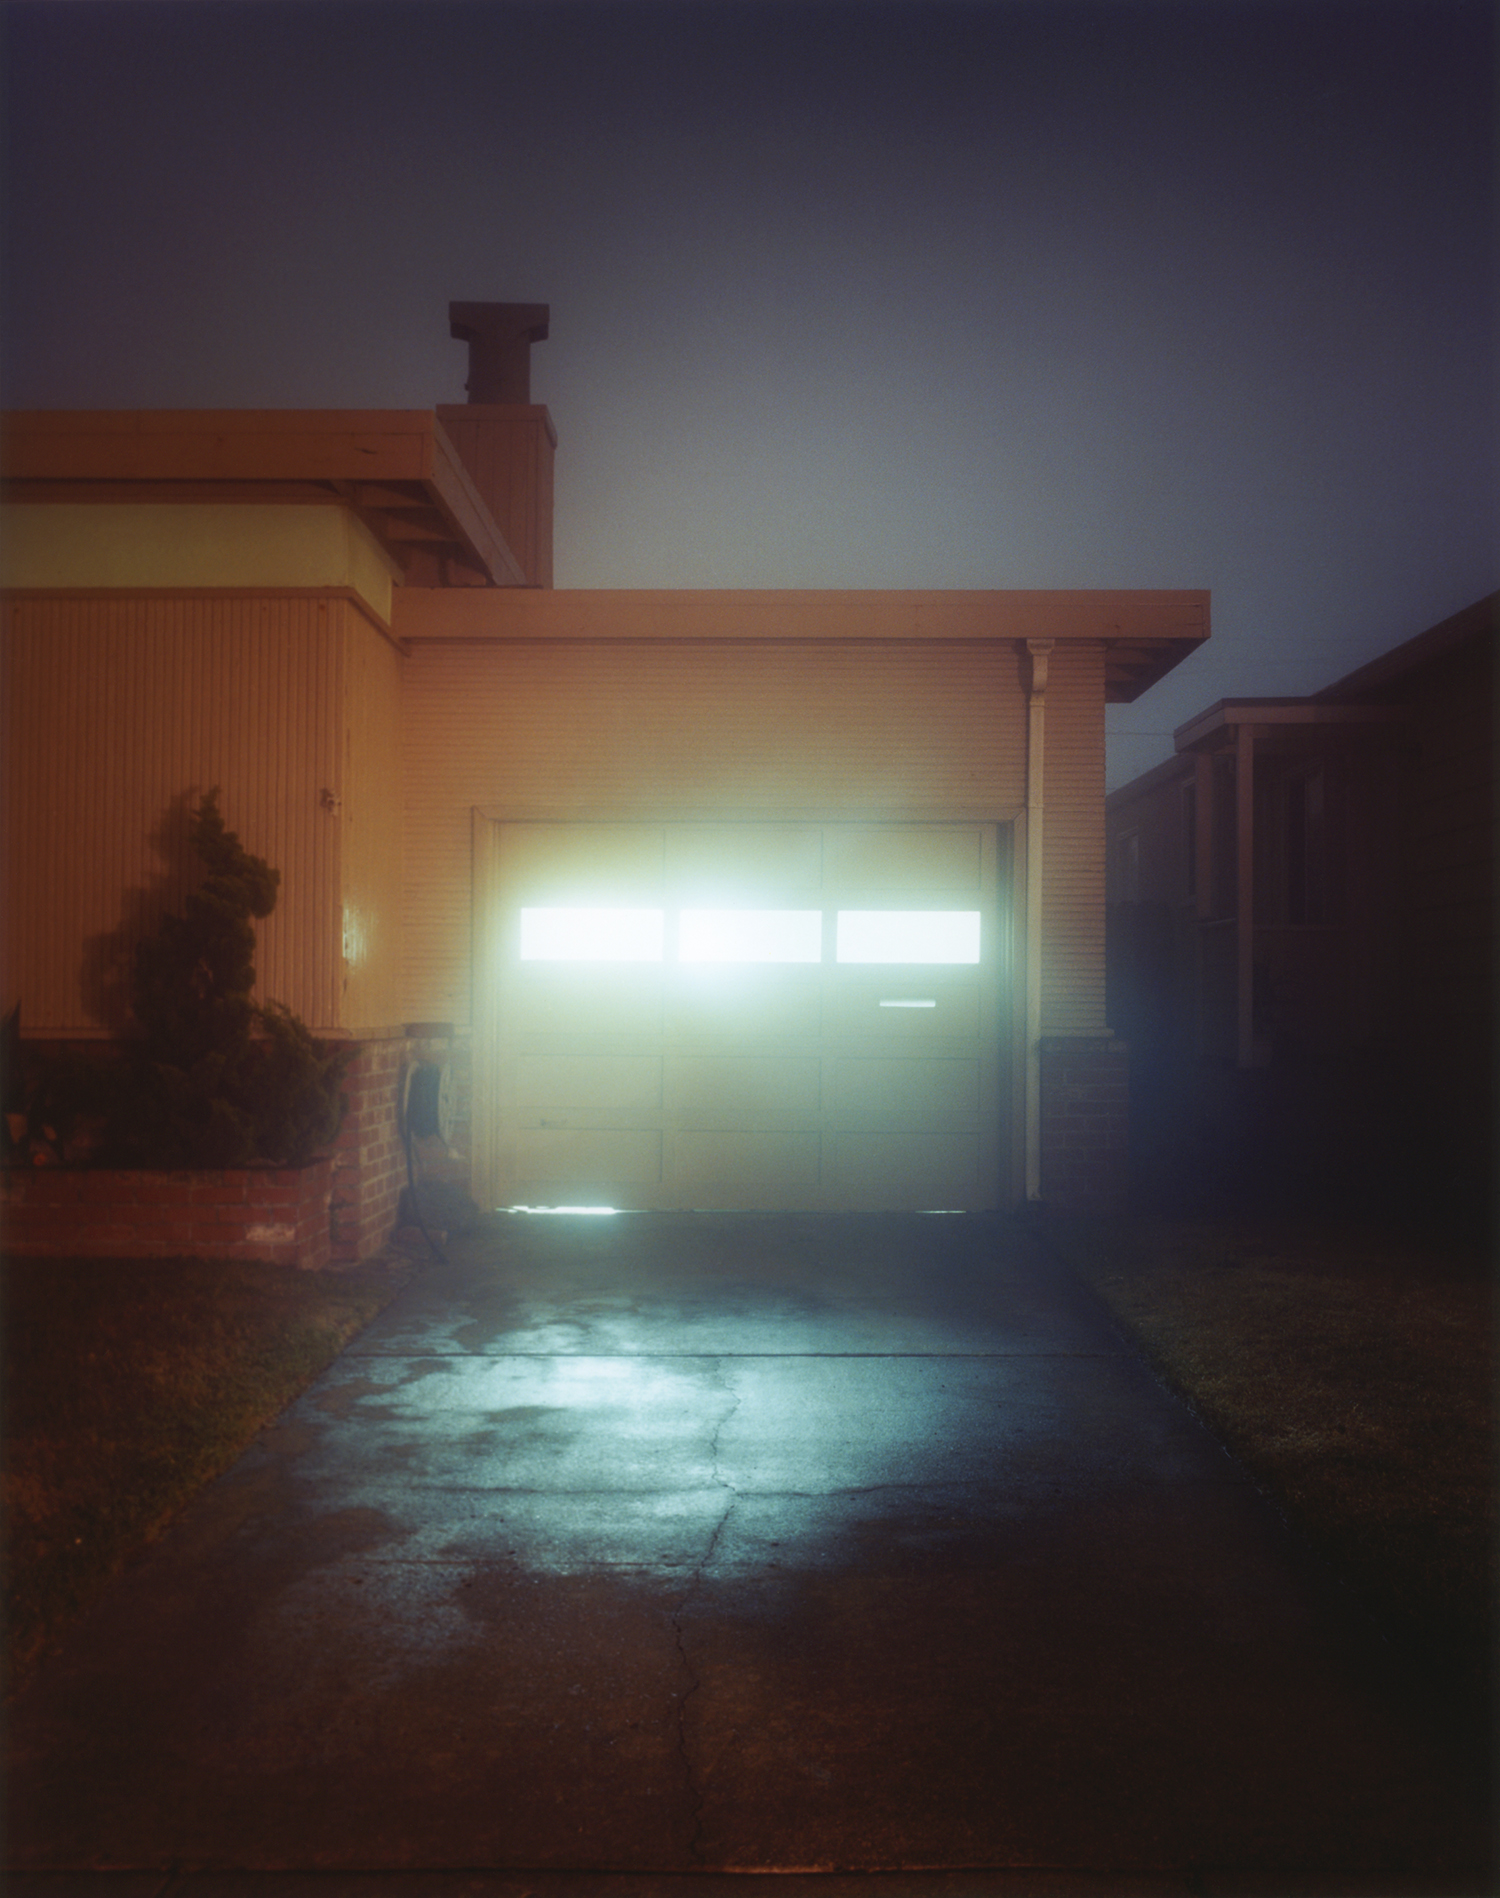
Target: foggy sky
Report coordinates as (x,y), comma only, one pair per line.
(843,294)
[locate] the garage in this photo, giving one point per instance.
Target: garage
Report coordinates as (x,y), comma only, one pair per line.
(745,1015)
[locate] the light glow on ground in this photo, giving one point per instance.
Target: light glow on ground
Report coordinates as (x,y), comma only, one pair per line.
(590,1212)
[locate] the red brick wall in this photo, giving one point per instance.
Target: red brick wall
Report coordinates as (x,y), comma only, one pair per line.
(275,1213)
(369,1166)
(1085,1120)
(369,1156)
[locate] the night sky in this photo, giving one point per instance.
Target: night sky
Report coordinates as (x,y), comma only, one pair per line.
(843,294)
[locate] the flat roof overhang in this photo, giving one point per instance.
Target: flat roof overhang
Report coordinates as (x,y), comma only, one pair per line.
(1144,633)
(396,469)
(1219,721)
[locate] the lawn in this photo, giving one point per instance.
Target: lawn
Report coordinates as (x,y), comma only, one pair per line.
(1350,1371)
(127,1385)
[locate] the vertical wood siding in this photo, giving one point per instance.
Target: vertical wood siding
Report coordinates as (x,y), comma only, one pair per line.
(371,820)
(119,714)
(1073,891)
(732,729)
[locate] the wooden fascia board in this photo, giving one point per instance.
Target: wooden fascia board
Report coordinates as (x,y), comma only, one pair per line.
(1170,771)
(255,455)
(1176,621)
(461,502)
(1230,713)
(218,444)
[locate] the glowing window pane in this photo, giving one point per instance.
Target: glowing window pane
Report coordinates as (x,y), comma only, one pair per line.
(591,935)
(750,935)
(908,935)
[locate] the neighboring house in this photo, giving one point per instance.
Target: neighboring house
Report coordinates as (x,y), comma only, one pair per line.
(1304,895)
(711,899)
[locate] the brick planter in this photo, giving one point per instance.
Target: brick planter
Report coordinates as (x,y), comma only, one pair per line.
(279,1214)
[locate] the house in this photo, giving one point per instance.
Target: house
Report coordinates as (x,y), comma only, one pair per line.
(1302,918)
(702,899)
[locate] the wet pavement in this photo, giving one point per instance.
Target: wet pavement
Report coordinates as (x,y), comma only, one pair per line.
(663,1553)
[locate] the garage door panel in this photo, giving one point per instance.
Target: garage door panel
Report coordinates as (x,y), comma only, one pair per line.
(588,1162)
(818,1023)
(597,1084)
(582,863)
(911,1095)
(876,1170)
(912,1004)
(762,1169)
(772,864)
(744,1092)
(584,1000)
(719,1004)
(867,860)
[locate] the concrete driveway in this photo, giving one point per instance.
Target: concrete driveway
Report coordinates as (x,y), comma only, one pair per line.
(622,1552)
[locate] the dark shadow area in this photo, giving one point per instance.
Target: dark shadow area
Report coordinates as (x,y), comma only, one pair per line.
(1363,1132)
(104,975)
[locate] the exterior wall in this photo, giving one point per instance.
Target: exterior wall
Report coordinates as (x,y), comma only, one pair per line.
(1445,1021)
(1073,844)
(1085,1120)
(1449,824)
(369,1165)
(1375,1005)
(272,1213)
(371,832)
(56,545)
(527,728)
(369,1156)
(120,711)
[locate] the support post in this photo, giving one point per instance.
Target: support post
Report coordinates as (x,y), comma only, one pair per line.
(1244,922)
(1036,736)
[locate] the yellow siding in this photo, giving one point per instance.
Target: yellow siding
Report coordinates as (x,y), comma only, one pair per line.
(118,714)
(371,818)
(725,729)
(60,545)
(1073,843)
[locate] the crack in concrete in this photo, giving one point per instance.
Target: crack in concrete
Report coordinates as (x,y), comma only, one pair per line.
(695,1841)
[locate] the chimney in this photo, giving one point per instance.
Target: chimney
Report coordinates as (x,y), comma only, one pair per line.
(506,441)
(499,336)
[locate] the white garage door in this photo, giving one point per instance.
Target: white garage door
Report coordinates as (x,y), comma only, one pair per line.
(747,1015)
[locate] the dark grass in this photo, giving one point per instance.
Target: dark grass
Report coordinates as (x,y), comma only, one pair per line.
(1350,1371)
(127,1385)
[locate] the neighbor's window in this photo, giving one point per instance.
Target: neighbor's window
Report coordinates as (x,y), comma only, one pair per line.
(750,935)
(908,935)
(592,935)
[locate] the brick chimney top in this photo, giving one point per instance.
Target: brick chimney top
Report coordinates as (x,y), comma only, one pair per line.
(499,336)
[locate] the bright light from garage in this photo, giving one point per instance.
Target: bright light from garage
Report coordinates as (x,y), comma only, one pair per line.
(750,935)
(908,935)
(592,935)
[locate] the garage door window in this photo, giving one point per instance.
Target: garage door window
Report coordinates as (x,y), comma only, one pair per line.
(750,935)
(907,935)
(591,935)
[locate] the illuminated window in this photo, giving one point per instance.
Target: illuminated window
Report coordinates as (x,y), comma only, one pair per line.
(591,935)
(908,935)
(750,935)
